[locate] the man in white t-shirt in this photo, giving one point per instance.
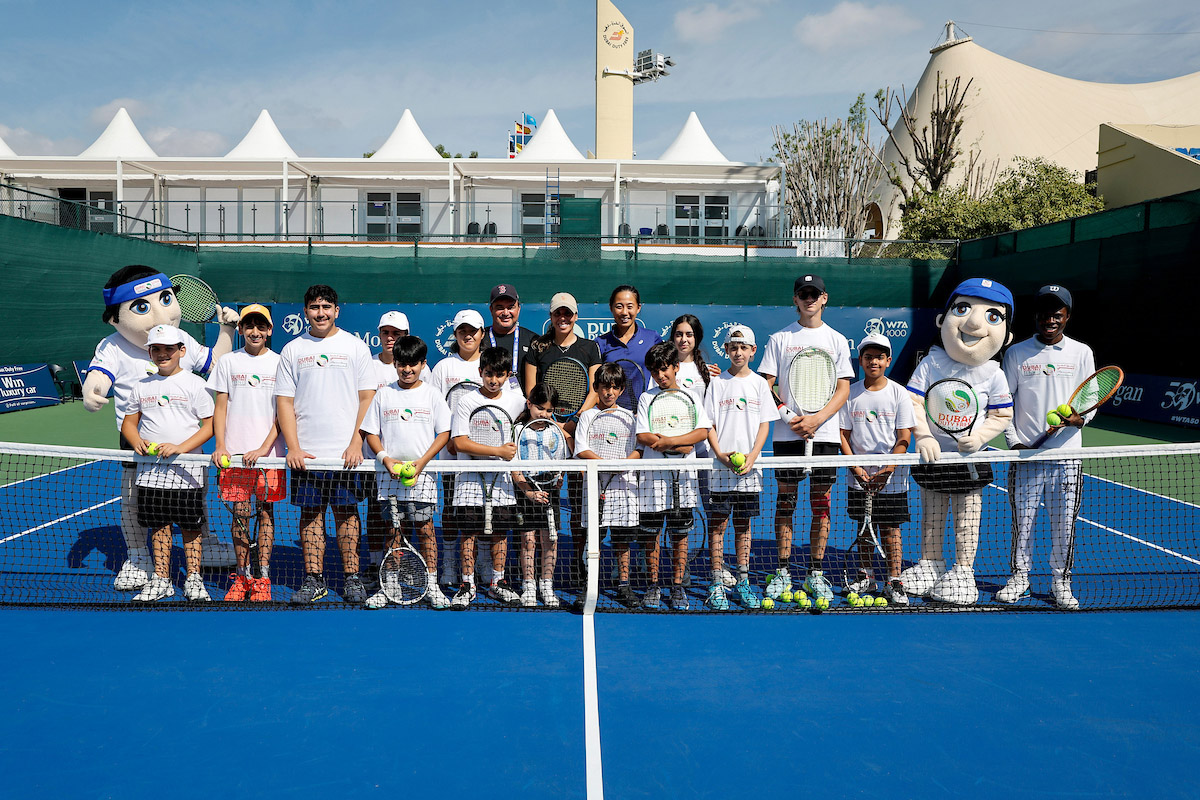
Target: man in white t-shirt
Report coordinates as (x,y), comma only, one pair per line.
(1042,372)
(810,299)
(322,391)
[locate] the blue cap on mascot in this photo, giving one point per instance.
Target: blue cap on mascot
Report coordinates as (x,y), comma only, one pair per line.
(982,287)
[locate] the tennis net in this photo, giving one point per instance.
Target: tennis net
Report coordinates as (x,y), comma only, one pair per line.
(1119,526)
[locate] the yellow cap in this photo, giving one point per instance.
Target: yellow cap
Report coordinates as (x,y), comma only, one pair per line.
(256,308)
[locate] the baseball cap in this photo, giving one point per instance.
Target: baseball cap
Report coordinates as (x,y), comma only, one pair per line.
(504,290)
(740,334)
(875,340)
(563,300)
(805,281)
(256,308)
(1054,290)
(164,334)
(468,316)
(982,287)
(394,319)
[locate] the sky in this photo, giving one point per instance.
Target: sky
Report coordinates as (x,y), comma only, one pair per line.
(336,76)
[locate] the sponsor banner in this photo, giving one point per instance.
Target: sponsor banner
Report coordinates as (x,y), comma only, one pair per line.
(1155,398)
(27,386)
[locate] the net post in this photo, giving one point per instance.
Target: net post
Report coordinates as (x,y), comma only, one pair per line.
(591,491)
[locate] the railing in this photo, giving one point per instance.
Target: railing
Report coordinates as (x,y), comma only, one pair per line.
(97,217)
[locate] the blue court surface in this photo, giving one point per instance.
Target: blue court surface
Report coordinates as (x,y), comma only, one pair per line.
(343,703)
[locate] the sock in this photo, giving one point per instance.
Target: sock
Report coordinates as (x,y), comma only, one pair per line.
(243,571)
(743,572)
(266,572)
(716,577)
(469,580)
(431,578)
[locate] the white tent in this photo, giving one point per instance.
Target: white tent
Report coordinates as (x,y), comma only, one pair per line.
(263,141)
(550,143)
(692,145)
(6,151)
(121,139)
(407,142)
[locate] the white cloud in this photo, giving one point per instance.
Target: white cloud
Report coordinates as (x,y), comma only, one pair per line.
(851,25)
(709,22)
(25,142)
(102,115)
(172,141)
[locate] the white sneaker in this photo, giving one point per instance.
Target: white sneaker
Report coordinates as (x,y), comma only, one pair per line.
(894,592)
(862,583)
(528,594)
(216,553)
(727,579)
(546,590)
(919,579)
(956,587)
(194,589)
(377,600)
(1060,588)
(778,583)
(436,598)
(156,588)
(1016,589)
(130,578)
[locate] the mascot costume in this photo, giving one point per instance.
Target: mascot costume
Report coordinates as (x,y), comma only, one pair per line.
(974,328)
(136,298)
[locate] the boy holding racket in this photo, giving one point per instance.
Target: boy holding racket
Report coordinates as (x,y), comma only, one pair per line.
(243,386)
(878,418)
(495,367)
(409,421)
(809,330)
(173,411)
(740,405)
(660,490)
(1042,373)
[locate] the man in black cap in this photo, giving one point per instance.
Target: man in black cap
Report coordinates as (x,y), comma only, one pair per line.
(505,305)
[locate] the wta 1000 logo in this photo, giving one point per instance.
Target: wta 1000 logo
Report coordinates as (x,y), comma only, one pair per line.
(891,328)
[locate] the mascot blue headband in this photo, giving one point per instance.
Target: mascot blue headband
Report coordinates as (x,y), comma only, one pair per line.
(135,289)
(982,287)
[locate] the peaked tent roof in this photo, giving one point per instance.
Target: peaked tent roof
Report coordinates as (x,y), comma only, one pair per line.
(550,143)
(263,140)
(121,139)
(692,145)
(6,151)
(407,141)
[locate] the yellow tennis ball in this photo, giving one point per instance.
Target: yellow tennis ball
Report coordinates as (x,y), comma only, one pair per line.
(737,460)
(768,603)
(1053,418)
(786,596)
(397,468)
(822,603)
(866,600)
(852,598)
(152,448)
(409,481)
(225,462)
(1065,411)
(804,601)
(881,602)
(408,470)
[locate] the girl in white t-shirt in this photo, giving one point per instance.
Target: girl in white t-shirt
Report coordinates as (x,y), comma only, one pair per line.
(695,374)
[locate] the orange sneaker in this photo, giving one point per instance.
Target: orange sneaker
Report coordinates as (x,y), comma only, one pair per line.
(238,588)
(260,590)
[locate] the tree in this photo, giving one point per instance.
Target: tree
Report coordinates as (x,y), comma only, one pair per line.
(444,153)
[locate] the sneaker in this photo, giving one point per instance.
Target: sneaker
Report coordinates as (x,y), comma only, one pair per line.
(194,588)
(353,590)
(626,596)
(463,596)
(957,587)
(312,590)
(919,579)
(437,598)
(1060,588)
(529,594)
(818,586)
(260,590)
(863,583)
(677,600)
(546,591)
(717,599)
(377,600)
(1016,589)
(130,578)
(893,590)
(156,588)
(746,596)
(239,588)
(652,599)
(503,593)
(778,583)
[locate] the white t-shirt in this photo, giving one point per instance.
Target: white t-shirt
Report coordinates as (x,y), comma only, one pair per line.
(737,407)
(407,421)
(986,379)
(1042,377)
(777,357)
(657,493)
(873,418)
(467,488)
(325,376)
(689,379)
(620,488)
(250,383)
(125,364)
(386,374)
(171,410)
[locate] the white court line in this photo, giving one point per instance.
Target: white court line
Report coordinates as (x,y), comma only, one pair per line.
(46,475)
(1143,491)
(591,713)
(56,521)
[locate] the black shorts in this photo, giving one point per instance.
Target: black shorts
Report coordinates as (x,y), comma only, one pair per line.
(469,520)
(157,508)
(625,535)
(722,505)
(321,488)
(124,444)
(819,475)
(679,522)
(575,497)
(888,510)
(952,478)
(531,516)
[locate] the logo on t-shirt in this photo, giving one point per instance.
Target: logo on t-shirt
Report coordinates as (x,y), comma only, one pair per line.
(164,400)
(872,416)
(687,382)
(1048,369)
(253,380)
(406,414)
(324,360)
(740,404)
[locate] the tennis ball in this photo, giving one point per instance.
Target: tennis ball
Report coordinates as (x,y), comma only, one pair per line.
(397,468)
(1064,411)
(800,596)
(409,482)
(1053,418)
(737,460)
(804,601)
(852,598)
(822,603)
(881,602)
(866,600)
(225,462)
(152,448)
(786,596)
(408,470)
(768,603)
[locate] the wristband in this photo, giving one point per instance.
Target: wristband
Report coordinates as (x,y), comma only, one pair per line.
(381,455)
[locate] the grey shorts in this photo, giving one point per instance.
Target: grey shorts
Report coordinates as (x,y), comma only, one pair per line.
(401,511)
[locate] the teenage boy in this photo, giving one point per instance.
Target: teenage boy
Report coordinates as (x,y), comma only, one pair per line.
(878,418)
(322,392)
(741,408)
(173,411)
(810,298)
(243,385)
(504,332)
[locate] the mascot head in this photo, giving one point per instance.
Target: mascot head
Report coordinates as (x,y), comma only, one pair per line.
(136,298)
(977,322)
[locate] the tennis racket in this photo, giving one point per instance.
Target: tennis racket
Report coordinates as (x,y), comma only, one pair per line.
(611,436)
(635,384)
(458,391)
(245,511)
(570,379)
(197,300)
(812,379)
(491,426)
(541,440)
(672,413)
(1096,390)
(402,574)
(953,407)
(867,531)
